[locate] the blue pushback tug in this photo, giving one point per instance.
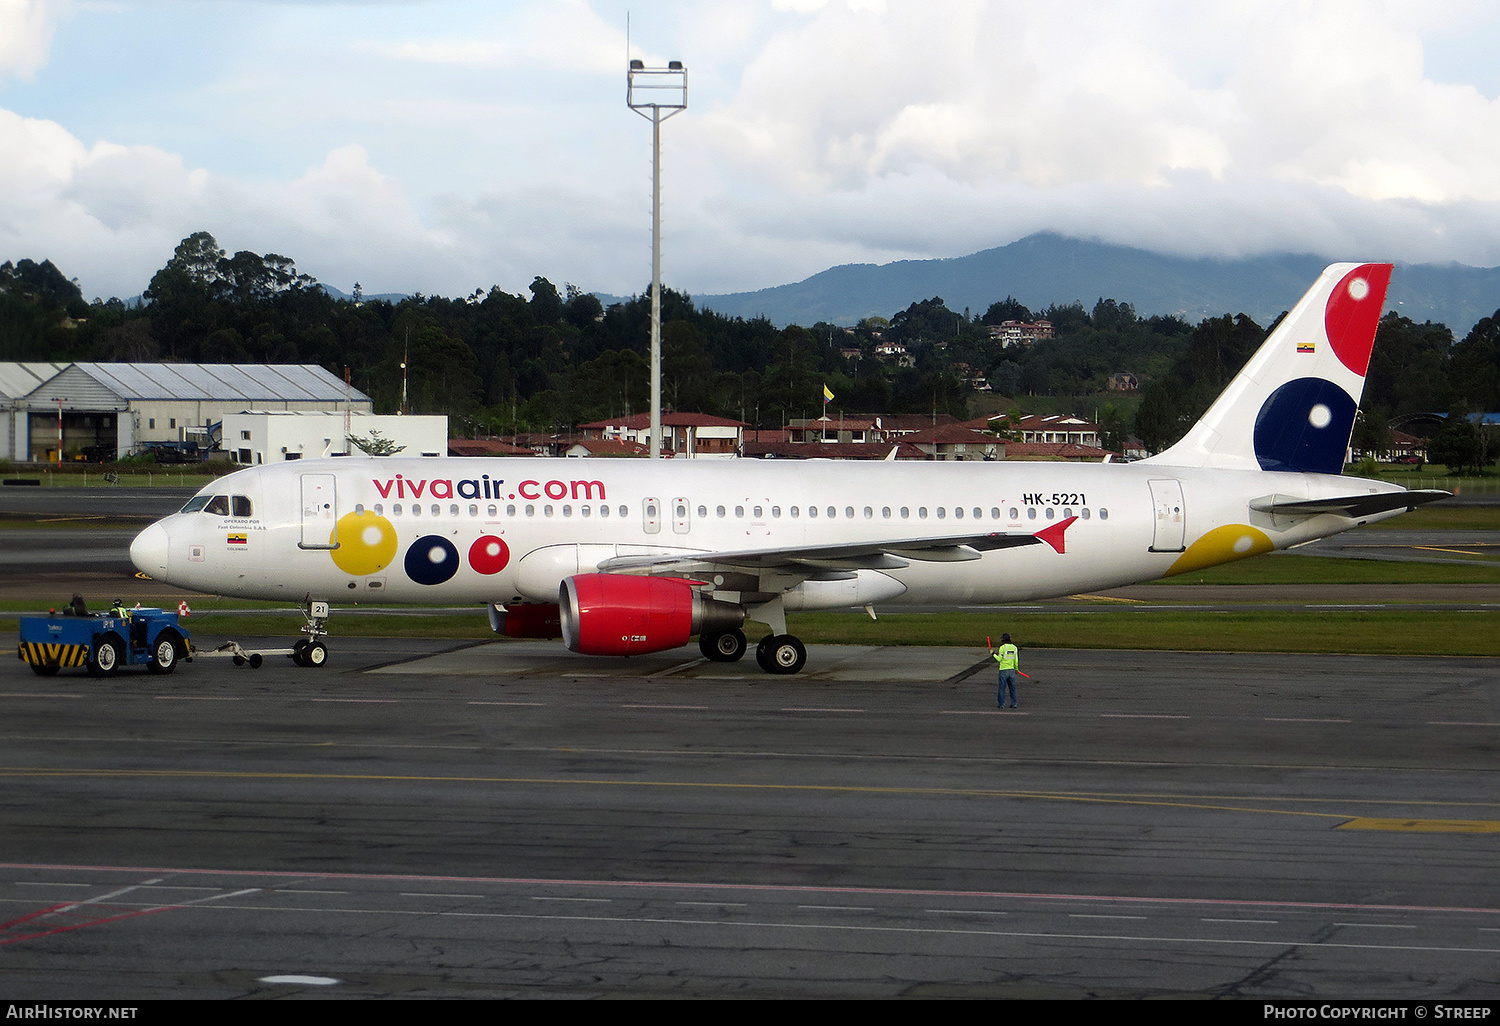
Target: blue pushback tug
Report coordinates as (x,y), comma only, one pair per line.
(103,642)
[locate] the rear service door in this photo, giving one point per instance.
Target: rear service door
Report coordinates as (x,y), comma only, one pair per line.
(1171,517)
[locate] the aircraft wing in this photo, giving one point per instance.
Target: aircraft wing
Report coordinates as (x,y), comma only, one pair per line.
(864,555)
(882,555)
(1349,505)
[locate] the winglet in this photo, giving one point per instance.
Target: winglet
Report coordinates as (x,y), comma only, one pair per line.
(1054,535)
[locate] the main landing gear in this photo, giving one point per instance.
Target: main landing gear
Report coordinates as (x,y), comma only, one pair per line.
(780,653)
(776,653)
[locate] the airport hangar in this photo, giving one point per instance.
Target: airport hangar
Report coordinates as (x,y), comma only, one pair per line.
(121,408)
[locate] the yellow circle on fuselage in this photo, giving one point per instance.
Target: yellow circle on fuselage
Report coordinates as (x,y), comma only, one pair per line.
(366,543)
(1222,545)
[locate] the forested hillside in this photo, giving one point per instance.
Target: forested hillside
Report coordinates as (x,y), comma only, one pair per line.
(498,363)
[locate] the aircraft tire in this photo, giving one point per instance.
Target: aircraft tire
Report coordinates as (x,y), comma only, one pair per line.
(299,652)
(783,655)
(164,655)
(105,659)
(762,649)
(723,648)
(315,655)
(255,661)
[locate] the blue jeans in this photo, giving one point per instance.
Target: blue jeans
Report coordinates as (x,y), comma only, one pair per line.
(1007,683)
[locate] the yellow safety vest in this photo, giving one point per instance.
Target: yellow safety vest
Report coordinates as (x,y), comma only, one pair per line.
(1009,657)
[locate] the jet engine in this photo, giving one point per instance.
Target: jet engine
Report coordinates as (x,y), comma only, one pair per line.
(619,614)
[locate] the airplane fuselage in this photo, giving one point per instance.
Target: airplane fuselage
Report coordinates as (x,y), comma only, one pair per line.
(462,531)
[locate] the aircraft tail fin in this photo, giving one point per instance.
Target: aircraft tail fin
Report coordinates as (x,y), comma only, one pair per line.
(1292,406)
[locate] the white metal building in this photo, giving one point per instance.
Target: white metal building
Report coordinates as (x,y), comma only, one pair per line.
(272,436)
(123,407)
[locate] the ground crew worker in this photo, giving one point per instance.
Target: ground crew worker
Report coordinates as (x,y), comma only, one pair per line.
(1009,658)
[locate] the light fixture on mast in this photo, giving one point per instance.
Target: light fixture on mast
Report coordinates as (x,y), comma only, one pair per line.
(656,94)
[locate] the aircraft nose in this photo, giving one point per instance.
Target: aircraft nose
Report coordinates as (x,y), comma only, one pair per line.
(149,551)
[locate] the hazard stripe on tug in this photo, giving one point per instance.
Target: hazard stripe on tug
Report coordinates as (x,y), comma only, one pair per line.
(40,653)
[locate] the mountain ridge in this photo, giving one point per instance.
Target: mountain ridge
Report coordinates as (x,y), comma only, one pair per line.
(1047,268)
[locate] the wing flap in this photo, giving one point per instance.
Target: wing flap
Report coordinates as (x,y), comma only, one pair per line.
(867,555)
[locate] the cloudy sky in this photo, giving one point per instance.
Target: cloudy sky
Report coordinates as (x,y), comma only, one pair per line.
(448,145)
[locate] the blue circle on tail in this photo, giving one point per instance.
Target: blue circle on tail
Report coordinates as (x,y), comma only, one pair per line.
(1304,426)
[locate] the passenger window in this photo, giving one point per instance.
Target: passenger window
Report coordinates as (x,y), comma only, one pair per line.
(702,512)
(776,512)
(958,512)
(758,512)
(796,512)
(567,511)
(359,507)
(885,511)
(739,511)
(1030,512)
(849,512)
(869,513)
(1084,512)
(1067,513)
(921,512)
(1015,514)
(979,513)
(585,511)
(719,512)
(416,510)
(379,510)
(812,511)
(832,512)
(547,510)
(905,512)
(510,511)
(624,510)
(604,511)
(941,512)
(437,510)
(530,510)
(396,510)
(1051,512)
(453,510)
(994,513)
(1103,513)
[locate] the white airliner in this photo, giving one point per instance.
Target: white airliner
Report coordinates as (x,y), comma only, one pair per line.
(621,557)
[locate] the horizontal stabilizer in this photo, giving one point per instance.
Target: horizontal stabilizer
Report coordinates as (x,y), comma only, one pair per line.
(1351,506)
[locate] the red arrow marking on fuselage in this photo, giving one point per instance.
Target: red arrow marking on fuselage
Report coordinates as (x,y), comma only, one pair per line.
(1054,535)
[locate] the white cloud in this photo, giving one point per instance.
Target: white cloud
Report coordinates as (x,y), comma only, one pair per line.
(25,36)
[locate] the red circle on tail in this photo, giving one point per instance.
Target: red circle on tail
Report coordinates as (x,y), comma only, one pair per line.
(1353,314)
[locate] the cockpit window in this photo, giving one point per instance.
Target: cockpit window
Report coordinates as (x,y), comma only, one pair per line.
(218,506)
(241,505)
(196,503)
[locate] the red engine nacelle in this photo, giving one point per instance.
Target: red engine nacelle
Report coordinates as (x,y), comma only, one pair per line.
(615,614)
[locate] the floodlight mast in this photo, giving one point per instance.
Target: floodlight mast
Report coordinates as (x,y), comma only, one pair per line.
(656,94)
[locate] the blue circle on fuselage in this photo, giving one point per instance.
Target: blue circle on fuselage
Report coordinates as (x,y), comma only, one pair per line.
(431,560)
(1304,426)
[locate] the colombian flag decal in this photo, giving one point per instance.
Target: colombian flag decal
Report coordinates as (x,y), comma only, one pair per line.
(1307,347)
(239,539)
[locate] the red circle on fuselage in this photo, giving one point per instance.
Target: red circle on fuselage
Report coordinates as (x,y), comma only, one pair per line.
(489,554)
